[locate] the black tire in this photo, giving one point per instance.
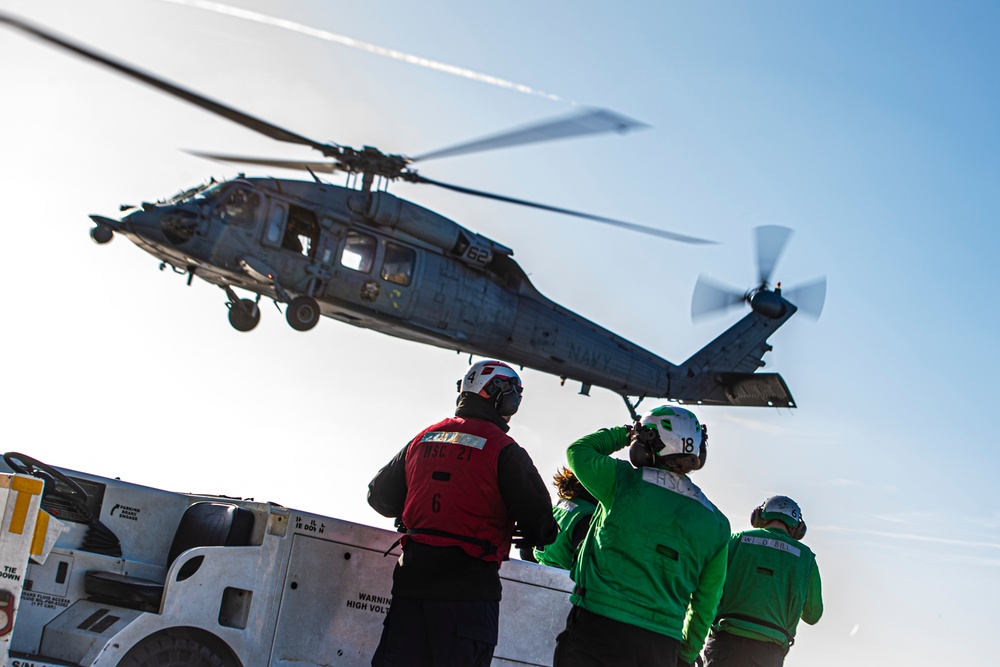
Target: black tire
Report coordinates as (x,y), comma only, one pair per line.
(179,647)
(303,313)
(244,315)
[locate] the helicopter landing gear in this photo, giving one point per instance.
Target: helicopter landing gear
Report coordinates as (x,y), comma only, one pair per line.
(303,313)
(244,314)
(101,234)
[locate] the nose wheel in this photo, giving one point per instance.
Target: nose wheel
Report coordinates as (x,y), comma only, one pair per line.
(303,313)
(244,314)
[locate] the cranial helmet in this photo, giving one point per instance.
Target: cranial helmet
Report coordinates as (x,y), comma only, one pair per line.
(670,436)
(780,508)
(496,382)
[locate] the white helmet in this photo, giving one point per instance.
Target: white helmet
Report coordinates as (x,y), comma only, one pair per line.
(780,508)
(681,440)
(496,382)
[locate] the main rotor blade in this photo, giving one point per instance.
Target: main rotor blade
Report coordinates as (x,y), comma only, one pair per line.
(218,108)
(711,297)
(770,241)
(303,165)
(588,121)
(555,209)
(809,297)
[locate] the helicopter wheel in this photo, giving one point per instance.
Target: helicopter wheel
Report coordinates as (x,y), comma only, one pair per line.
(244,314)
(302,313)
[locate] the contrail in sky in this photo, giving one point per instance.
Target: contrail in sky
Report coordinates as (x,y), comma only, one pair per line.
(911,536)
(374,49)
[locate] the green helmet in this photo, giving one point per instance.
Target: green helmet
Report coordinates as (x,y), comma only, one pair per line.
(681,439)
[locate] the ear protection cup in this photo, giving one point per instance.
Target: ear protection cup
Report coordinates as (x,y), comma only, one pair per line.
(703,449)
(508,402)
(505,395)
(644,442)
(640,456)
(756,520)
(799,531)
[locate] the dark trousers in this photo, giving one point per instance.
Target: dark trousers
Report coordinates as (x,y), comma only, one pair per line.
(592,640)
(727,650)
(438,633)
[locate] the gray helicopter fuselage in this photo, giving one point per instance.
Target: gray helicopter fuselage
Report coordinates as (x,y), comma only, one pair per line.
(383,263)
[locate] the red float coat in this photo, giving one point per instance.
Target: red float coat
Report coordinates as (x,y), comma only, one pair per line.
(453,496)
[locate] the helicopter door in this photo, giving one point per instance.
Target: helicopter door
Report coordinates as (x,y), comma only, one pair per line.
(292,228)
(293,232)
(375,274)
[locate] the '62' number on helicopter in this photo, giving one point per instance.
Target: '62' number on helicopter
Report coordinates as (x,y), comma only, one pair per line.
(478,255)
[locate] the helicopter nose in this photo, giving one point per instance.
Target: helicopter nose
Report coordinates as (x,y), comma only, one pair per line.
(163,225)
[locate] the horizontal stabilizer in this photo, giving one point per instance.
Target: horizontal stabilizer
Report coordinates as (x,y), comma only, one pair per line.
(753,390)
(759,390)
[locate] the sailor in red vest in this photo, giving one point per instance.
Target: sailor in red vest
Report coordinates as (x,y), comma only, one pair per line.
(459,490)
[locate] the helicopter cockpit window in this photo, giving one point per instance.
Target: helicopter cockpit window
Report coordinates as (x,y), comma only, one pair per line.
(359,252)
(208,193)
(240,207)
(397,267)
(302,231)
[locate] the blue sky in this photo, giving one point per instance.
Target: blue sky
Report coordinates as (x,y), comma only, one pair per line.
(869,128)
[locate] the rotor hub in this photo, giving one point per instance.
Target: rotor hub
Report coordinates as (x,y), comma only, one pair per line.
(370,160)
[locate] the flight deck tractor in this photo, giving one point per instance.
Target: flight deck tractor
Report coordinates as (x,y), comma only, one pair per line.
(100,572)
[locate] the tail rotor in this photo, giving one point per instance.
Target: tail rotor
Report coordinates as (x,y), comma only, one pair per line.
(711,297)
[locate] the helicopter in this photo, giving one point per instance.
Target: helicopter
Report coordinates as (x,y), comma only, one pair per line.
(363,256)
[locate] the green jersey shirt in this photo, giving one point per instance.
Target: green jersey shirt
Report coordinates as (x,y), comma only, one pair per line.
(655,556)
(568,514)
(773,580)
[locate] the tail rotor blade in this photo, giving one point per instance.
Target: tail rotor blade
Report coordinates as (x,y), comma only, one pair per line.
(770,241)
(809,298)
(712,297)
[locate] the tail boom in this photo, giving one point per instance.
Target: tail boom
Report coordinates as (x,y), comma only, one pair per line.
(723,372)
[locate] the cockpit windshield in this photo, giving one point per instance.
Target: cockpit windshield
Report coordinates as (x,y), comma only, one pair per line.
(200,193)
(239,206)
